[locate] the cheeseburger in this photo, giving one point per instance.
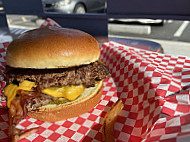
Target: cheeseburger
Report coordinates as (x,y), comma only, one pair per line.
(53,74)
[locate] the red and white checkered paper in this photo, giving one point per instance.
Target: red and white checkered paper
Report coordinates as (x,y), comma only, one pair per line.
(155,91)
(153,87)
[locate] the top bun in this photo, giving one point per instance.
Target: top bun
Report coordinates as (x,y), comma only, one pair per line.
(52,47)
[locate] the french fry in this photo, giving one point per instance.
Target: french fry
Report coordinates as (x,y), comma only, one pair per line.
(20,134)
(109,121)
(28,132)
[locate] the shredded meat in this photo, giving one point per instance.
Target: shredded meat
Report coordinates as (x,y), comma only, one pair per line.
(86,74)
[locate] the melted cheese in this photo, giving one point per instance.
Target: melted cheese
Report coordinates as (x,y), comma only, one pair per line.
(10,90)
(27,85)
(68,92)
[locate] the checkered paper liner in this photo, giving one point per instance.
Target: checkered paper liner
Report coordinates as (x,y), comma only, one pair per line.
(155,91)
(152,86)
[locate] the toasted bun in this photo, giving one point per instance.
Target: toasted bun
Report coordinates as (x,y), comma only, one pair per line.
(52,47)
(84,103)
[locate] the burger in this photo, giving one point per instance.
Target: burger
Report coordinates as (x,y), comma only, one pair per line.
(53,74)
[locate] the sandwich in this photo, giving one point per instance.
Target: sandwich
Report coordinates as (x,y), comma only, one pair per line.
(53,74)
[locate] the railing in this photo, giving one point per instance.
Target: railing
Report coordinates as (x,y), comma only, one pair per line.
(97,24)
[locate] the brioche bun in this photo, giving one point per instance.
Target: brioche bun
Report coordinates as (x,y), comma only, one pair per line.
(83,104)
(52,47)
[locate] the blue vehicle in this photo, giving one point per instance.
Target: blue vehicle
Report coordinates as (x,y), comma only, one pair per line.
(74,6)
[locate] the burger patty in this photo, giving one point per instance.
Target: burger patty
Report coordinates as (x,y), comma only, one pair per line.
(44,78)
(42,100)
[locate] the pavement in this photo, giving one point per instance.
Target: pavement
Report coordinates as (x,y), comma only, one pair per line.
(171,47)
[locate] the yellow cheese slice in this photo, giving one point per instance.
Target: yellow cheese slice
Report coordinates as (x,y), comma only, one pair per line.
(11,89)
(68,92)
(10,92)
(27,85)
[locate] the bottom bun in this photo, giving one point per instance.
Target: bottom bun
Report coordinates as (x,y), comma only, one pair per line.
(84,103)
